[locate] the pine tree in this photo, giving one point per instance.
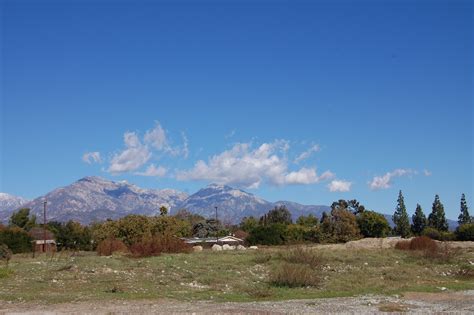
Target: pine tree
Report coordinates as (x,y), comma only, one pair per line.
(400,218)
(437,217)
(464,217)
(419,221)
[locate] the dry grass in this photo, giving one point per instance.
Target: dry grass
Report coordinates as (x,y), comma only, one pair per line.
(302,255)
(294,275)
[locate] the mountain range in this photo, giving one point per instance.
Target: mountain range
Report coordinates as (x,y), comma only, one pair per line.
(96,199)
(92,199)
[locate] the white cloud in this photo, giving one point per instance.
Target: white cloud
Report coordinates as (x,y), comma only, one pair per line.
(306,154)
(385,181)
(154,171)
(91,157)
(132,158)
(249,167)
(339,186)
(156,137)
(427,172)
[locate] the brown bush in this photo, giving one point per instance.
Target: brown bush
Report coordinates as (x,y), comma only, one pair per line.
(423,243)
(173,244)
(403,245)
(155,245)
(146,247)
(294,275)
(301,255)
(111,245)
(428,248)
(418,243)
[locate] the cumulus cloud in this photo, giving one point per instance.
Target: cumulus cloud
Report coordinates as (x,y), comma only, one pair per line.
(134,156)
(91,157)
(156,137)
(138,152)
(154,171)
(306,154)
(385,181)
(249,167)
(427,173)
(338,185)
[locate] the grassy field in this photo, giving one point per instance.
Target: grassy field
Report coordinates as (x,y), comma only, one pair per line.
(230,276)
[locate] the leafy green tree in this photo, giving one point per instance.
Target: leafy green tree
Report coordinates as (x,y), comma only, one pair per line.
(22,219)
(72,235)
(351,205)
(419,221)
(248,224)
(437,217)
(207,228)
(373,224)
(279,214)
(344,226)
(465,232)
(17,239)
(274,234)
(163,211)
(308,221)
(400,218)
(464,216)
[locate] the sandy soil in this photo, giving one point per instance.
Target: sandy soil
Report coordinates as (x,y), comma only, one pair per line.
(441,303)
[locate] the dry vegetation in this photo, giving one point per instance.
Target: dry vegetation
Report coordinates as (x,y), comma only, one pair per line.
(273,273)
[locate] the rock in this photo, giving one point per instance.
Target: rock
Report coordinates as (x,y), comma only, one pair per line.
(240,247)
(227,247)
(197,248)
(253,247)
(216,247)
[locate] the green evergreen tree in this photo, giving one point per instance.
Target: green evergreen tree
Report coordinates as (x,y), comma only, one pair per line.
(464,217)
(418,221)
(437,217)
(400,218)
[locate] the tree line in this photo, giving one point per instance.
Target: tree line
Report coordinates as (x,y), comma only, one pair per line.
(347,220)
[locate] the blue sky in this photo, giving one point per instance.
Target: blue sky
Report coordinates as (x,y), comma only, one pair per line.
(289,100)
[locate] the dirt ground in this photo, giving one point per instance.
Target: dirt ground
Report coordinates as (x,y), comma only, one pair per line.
(440,303)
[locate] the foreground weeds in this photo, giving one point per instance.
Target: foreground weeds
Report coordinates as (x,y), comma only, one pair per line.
(276,273)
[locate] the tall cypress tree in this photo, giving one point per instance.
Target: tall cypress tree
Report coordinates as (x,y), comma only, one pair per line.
(437,218)
(400,218)
(464,216)
(418,221)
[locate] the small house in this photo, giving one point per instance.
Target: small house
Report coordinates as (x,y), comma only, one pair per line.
(43,240)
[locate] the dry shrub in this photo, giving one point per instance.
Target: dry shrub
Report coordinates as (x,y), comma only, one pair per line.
(428,248)
(111,245)
(418,243)
(173,244)
(146,247)
(5,253)
(423,243)
(403,245)
(294,275)
(155,245)
(301,255)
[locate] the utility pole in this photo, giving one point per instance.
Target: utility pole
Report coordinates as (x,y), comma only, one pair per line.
(44,226)
(217,228)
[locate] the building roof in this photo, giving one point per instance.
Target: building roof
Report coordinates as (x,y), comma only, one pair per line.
(41,242)
(223,239)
